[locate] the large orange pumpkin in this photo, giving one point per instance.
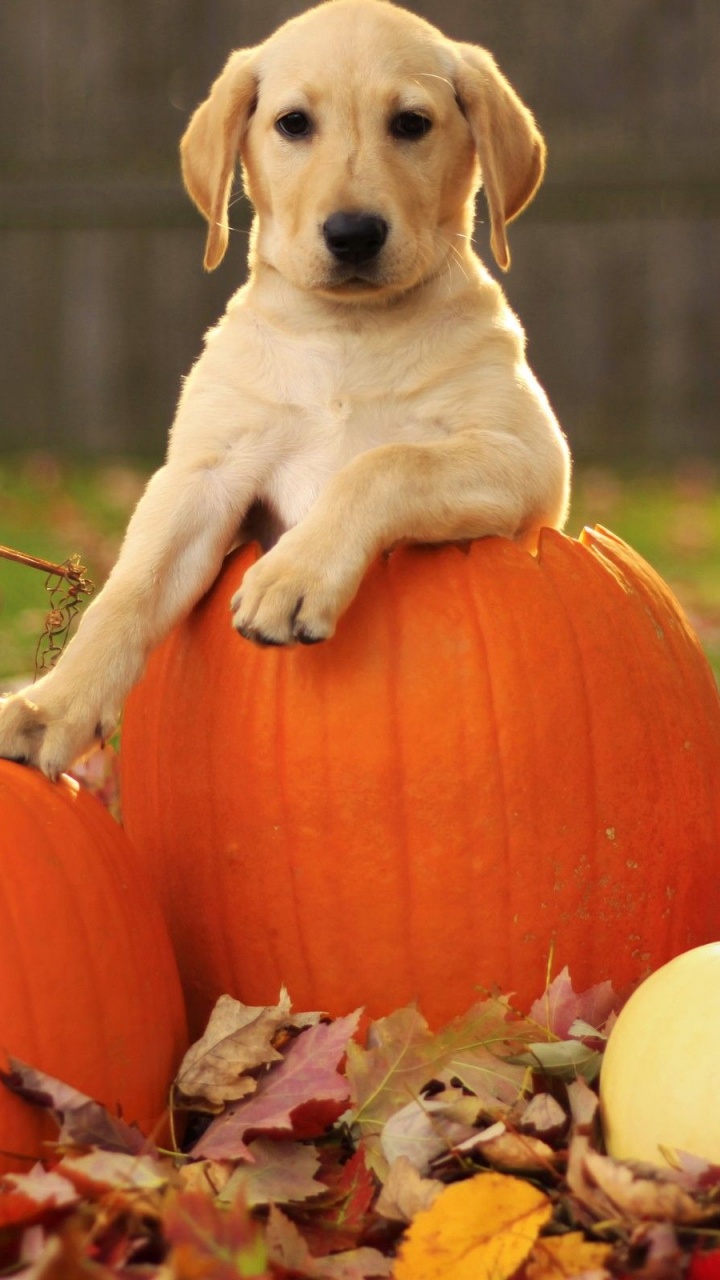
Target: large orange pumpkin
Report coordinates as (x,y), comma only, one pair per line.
(89,987)
(498,759)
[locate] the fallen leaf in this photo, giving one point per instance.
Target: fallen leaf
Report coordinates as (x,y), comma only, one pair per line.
(562,1059)
(402,1056)
(208,1241)
(492,1079)
(99,1171)
(543,1117)
(288,1249)
(406,1193)
(584,1104)
(63,1257)
(424,1128)
(337,1220)
(209,1176)
(481,1229)
(300,1096)
(30,1197)
(237,1040)
(610,1189)
(564,1257)
(560,1006)
(504,1149)
(280,1173)
(704,1266)
(81,1120)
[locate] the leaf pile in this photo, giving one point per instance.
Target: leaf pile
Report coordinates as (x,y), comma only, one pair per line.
(310,1151)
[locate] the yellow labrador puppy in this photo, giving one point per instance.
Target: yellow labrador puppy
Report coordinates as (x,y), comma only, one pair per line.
(367,385)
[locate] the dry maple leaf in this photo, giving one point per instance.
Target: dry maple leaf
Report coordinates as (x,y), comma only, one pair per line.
(543,1117)
(208,1241)
(337,1220)
(427,1127)
(98,1171)
(287,1248)
(504,1149)
(406,1193)
(560,1006)
(402,1056)
(567,1256)
(32,1197)
(237,1040)
(299,1096)
(280,1173)
(81,1120)
(481,1229)
(610,1189)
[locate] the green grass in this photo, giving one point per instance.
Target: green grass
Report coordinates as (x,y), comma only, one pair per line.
(53,509)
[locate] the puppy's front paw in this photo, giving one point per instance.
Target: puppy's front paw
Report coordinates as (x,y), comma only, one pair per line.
(33,732)
(279,603)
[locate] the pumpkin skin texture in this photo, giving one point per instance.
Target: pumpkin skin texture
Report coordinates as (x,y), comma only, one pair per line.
(89,987)
(660,1076)
(496,760)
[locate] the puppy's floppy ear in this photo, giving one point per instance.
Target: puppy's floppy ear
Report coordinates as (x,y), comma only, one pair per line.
(209,147)
(509,144)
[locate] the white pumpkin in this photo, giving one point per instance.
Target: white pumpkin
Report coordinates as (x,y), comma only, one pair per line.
(660,1078)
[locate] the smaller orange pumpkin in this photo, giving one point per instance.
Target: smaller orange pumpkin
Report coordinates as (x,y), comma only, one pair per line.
(89,989)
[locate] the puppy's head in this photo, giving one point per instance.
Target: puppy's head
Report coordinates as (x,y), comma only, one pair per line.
(363,134)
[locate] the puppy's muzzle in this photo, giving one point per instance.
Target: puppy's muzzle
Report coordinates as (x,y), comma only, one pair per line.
(354,238)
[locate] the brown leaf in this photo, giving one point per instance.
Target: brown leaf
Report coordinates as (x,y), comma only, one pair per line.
(507,1150)
(480,1229)
(584,1104)
(209,1176)
(564,1257)
(288,1249)
(426,1128)
(610,1189)
(207,1241)
(237,1040)
(82,1121)
(280,1173)
(300,1096)
(64,1257)
(402,1056)
(99,1171)
(31,1197)
(406,1193)
(543,1117)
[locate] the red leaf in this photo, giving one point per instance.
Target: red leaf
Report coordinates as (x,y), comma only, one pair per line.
(705,1266)
(300,1096)
(560,1005)
(32,1197)
(339,1223)
(206,1241)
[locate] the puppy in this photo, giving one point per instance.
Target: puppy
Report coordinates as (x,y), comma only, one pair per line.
(368,384)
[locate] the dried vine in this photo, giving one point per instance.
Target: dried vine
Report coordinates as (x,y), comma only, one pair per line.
(66,584)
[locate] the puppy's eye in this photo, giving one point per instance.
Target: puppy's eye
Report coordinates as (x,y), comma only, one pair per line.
(410,125)
(294,125)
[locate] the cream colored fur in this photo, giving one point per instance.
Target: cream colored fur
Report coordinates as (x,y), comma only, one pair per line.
(359,408)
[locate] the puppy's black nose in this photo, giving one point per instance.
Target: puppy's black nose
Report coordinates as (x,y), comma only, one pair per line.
(355,237)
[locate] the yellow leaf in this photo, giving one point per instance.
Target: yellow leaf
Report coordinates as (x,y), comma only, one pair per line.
(561,1257)
(481,1229)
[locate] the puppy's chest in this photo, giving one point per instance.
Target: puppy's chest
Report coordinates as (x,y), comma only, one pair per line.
(352,399)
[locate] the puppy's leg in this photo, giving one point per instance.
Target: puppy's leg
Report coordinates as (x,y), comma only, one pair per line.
(474,484)
(172,551)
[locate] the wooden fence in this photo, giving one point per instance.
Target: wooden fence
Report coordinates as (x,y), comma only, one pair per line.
(616,265)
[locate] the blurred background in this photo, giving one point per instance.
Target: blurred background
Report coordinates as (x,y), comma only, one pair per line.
(103,302)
